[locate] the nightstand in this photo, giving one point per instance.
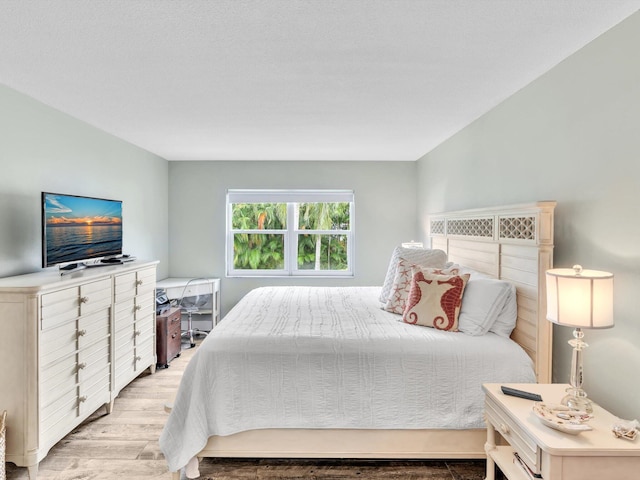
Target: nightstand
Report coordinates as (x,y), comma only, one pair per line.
(553,454)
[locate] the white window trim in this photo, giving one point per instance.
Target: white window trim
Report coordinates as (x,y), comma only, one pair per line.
(291,232)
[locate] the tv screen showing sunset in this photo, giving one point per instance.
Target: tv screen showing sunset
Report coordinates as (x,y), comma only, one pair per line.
(78,228)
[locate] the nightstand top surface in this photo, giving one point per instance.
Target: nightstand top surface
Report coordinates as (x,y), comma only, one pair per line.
(599,441)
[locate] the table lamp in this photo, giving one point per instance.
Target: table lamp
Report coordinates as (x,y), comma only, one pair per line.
(412,244)
(581,299)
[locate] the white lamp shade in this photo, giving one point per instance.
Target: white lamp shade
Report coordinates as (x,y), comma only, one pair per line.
(412,244)
(580,300)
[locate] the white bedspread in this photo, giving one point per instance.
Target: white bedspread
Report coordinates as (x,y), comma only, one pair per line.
(300,357)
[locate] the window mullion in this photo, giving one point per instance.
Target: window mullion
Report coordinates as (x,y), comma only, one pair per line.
(291,239)
(351,239)
(259,231)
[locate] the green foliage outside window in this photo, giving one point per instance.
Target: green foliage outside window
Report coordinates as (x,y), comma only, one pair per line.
(259,216)
(316,251)
(322,252)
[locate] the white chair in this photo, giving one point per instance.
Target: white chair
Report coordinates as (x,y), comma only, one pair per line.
(196,297)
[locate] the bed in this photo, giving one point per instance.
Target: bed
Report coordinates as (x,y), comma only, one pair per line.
(327,373)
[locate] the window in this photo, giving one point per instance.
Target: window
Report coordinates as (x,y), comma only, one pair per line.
(290,232)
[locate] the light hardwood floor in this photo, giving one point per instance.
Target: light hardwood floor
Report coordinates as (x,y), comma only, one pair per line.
(124,445)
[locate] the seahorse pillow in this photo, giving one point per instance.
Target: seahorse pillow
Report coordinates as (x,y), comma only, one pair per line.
(424,257)
(435,300)
(397,299)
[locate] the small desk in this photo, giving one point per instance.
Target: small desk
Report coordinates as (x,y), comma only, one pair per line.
(176,288)
(555,455)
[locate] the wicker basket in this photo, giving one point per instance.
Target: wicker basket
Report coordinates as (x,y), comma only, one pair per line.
(3,445)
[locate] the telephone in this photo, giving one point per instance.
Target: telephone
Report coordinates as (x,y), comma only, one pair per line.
(162,301)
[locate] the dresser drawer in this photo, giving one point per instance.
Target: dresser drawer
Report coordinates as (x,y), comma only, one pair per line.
(125,286)
(145,352)
(58,337)
(144,330)
(59,307)
(95,296)
(124,312)
(95,386)
(92,359)
(58,377)
(124,337)
(125,371)
(517,438)
(53,352)
(96,395)
(146,281)
(145,305)
(94,328)
(56,407)
(55,426)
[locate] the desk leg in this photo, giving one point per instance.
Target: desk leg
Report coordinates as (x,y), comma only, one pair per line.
(489,447)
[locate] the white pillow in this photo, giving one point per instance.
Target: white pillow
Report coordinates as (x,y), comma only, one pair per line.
(474,273)
(483,304)
(506,321)
(423,257)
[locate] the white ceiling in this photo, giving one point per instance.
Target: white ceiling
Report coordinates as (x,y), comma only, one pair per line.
(287,79)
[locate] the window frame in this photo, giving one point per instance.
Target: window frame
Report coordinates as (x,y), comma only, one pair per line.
(291,232)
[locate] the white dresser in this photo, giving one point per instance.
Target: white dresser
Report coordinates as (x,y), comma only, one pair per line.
(134,325)
(68,345)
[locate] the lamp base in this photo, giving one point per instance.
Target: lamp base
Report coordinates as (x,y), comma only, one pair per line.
(576,399)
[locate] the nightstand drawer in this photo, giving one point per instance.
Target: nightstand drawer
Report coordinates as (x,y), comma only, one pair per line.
(520,441)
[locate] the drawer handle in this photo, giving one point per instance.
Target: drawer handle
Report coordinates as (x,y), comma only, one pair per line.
(138,358)
(82,366)
(84,299)
(174,335)
(81,333)
(138,282)
(137,307)
(82,399)
(504,429)
(136,333)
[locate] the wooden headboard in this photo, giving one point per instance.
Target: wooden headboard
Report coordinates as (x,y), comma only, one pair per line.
(513,243)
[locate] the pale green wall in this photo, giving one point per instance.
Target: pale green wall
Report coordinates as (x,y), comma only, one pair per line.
(385,214)
(42,149)
(572,136)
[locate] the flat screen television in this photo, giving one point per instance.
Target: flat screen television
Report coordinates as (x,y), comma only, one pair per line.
(75,228)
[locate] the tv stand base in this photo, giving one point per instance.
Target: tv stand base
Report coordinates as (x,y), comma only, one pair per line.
(71,267)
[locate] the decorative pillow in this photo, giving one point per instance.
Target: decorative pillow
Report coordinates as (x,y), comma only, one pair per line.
(483,301)
(402,283)
(419,256)
(435,300)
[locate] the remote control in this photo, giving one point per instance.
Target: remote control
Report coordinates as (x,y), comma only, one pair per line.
(521,393)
